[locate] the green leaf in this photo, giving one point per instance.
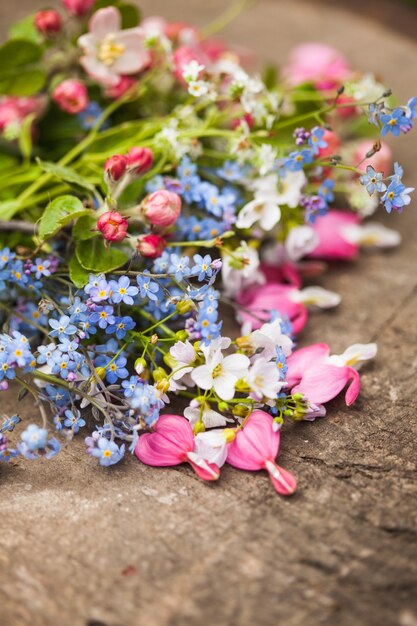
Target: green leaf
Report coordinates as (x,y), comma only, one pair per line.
(17,53)
(23,82)
(58,213)
(83,228)
(25,29)
(130,15)
(25,136)
(6,162)
(8,208)
(68,175)
(78,274)
(94,256)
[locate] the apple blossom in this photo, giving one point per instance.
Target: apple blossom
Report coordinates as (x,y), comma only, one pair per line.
(78,7)
(139,160)
(115,167)
(162,208)
(317,63)
(112,225)
(48,22)
(71,96)
(151,246)
(109,52)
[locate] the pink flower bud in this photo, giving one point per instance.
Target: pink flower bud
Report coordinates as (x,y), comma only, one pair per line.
(119,89)
(140,160)
(151,246)
(115,167)
(333,144)
(112,225)
(162,208)
(78,7)
(48,22)
(71,96)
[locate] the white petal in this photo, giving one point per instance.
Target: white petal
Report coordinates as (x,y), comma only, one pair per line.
(355,355)
(372,234)
(300,241)
(316,296)
(270,217)
(212,446)
(105,21)
(224,386)
(202,377)
(236,364)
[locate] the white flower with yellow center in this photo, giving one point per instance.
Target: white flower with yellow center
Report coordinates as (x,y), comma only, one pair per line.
(221,373)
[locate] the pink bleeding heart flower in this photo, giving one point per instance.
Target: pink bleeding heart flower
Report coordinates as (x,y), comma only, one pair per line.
(256,446)
(312,373)
(110,52)
(257,302)
(317,63)
(285,273)
(332,230)
(172,443)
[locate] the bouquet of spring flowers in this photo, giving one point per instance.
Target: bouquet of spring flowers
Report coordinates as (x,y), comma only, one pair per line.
(160,208)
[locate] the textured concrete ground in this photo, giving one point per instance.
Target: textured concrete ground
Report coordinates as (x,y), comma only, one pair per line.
(84,546)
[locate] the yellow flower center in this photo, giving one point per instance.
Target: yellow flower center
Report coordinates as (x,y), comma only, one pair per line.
(109,50)
(217,370)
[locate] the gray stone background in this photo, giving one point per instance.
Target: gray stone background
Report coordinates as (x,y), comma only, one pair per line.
(134,546)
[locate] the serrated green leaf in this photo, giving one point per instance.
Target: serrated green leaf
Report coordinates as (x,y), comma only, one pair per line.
(94,256)
(58,213)
(78,274)
(68,175)
(83,228)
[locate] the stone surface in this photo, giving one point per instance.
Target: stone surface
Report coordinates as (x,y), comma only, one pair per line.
(133,546)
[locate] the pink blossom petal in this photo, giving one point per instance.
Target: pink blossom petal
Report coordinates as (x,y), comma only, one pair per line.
(300,360)
(203,469)
(105,21)
(172,438)
(284,482)
(100,72)
(332,242)
(261,300)
(321,383)
(136,57)
(255,443)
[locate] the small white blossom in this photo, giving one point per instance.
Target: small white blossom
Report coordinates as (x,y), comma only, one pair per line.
(221,373)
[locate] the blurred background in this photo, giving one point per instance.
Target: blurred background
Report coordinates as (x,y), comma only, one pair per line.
(400,15)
